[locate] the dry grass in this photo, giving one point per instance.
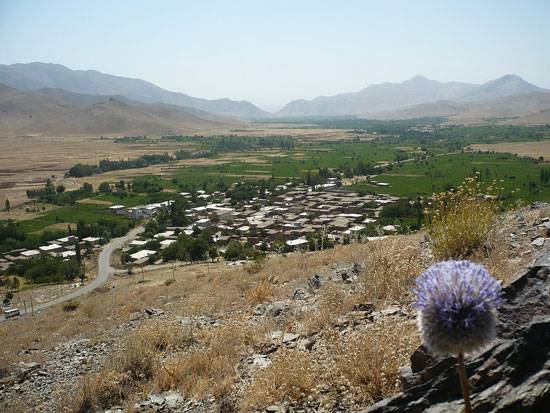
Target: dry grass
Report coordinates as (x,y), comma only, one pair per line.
(291,377)
(261,292)
(390,268)
(459,222)
(371,360)
(331,304)
(130,367)
(208,369)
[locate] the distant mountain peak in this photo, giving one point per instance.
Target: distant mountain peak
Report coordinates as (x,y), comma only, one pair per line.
(418,79)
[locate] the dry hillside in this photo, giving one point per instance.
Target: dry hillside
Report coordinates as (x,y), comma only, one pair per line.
(50,113)
(320,331)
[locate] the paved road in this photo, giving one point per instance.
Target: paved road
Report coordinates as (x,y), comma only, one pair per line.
(104,270)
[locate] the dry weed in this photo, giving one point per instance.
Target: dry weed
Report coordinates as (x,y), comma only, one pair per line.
(208,370)
(292,377)
(261,292)
(371,359)
(460,221)
(390,268)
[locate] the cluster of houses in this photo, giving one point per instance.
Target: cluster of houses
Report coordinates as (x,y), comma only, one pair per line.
(269,222)
(64,248)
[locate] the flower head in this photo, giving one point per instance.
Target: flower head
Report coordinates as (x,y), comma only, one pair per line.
(456,303)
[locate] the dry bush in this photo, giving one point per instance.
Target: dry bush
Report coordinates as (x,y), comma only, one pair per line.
(139,353)
(261,292)
(97,391)
(292,377)
(134,363)
(371,359)
(70,305)
(208,370)
(390,268)
(460,221)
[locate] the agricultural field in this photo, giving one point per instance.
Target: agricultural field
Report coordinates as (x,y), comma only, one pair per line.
(416,157)
(531,149)
(519,177)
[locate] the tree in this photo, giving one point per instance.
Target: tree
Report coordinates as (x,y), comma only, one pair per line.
(77,251)
(104,188)
(87,188)
(213,253)
(8,206)
(60,189)
(49,187)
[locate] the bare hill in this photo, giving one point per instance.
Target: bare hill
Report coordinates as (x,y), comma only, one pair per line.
(526,108)
(58,112)
(34,76)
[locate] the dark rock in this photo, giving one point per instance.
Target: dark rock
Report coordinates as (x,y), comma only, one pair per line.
(367,307)
(315,281)
(513,375)
(152,312)
(421,359)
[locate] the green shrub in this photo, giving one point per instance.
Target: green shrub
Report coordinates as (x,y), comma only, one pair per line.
(70,305)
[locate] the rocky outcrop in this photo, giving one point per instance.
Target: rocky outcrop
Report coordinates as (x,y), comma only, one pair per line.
(511,376)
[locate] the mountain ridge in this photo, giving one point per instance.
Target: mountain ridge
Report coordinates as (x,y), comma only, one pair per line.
(393,96)
(59,112)
(38,75)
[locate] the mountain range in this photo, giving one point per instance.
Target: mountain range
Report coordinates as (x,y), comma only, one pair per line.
(43,98)
(418,90)
(37,75)
(60,112)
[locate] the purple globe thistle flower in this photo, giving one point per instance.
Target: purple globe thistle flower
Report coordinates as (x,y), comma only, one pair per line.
(456,303)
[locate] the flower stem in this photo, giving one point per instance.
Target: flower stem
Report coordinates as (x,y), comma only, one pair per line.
(464,385)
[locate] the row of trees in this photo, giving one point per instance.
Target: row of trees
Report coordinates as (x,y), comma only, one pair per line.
(106,165)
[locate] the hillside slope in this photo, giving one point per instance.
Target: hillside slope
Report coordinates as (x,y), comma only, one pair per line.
(37,75)
(57,112)
(418,90)
(526,108)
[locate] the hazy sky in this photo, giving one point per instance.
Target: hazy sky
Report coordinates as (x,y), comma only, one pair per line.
(271,52)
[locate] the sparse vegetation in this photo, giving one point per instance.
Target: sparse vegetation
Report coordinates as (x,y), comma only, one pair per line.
(459,222)
(71,305)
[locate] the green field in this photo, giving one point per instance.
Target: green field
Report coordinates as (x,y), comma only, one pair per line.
(88,213)
(518,176)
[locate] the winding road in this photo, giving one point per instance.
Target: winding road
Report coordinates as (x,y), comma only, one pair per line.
(104,270)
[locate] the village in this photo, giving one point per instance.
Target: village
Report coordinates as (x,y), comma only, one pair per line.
(282,222)
(286,220)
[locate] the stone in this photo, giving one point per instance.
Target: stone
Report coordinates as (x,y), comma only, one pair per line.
(276,308)
(315,281)
(286,338)
(260,360)
(153,312)
(421,359)
(172,399)
(367,307)
(393,310)
(156,399)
